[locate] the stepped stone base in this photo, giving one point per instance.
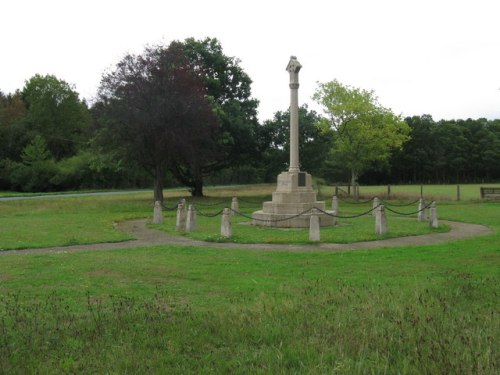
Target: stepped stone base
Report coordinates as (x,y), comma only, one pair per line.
(293,196)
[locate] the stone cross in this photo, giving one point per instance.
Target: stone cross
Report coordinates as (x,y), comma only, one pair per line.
(293,68)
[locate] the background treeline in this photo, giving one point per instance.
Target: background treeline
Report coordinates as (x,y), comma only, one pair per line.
(51,140)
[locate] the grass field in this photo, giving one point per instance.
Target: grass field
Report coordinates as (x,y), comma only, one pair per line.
(167,309)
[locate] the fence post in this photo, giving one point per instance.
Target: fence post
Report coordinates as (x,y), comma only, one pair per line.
(380,221)
(421,210)
(336,190)
(157,214)
(225,226)
(376,202)
(458,192)
(314,232)
(234,206)
(421,191)
(388,191)
(180,222)
(191,219)
(335,204)
(433,216)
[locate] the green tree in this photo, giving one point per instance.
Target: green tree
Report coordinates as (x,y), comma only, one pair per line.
(55,112)
(364,132)
(274,143)
(13,133)
(415,162)
(229,92)
(153,109)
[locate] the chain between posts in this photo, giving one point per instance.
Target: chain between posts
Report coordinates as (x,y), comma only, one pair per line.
(409,213)
(307,211)
(271,220)
(354,202)
(173,208)
(400,205)
(209,215)
(211,204)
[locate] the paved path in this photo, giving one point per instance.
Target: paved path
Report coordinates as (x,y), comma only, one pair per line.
(47,196)
(150,237)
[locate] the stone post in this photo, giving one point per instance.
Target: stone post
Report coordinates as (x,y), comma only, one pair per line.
(234,206)
(376,202)
(180,222)
(314,232)
(334,221)
(191,219)
(157,213)
(293,68)
(335,204)
(433,216)
(380,221)
(225,228)
(421,209)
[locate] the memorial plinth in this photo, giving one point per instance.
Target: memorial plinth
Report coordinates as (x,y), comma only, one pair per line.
(294,194)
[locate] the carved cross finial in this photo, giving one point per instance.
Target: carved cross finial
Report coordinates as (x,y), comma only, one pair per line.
(293,65)
(293,68)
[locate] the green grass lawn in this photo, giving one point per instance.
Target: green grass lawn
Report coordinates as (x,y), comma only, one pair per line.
(168,309)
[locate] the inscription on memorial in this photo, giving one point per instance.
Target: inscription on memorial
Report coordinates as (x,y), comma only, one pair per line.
(302,179)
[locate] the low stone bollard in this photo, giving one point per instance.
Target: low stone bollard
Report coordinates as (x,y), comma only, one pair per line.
(225,227)
(314,232)
(335,204)
(421,209)
(334,217)
(234,206)
(380,221)
(433,221)
(376,202)
(157,213)
(180,222)
(191,219)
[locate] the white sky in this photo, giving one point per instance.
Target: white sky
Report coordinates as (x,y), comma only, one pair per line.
(439,57)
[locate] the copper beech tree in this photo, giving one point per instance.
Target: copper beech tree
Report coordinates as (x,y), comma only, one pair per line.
(153,109)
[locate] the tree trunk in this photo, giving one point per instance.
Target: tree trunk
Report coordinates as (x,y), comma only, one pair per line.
(158,186)
(197,188)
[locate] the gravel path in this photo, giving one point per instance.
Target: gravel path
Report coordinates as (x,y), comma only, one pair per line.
(150,237)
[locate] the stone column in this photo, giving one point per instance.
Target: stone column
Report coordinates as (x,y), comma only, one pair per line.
(191,219)
(225,226)
(380,221)
(434,223)
(335,204)
(234,206)
(376,202)
(180,222)
(314,232)
(293,68)
(157,214)
(421,209)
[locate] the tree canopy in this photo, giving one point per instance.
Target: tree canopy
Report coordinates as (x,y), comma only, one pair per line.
(55,112)
(364,132)
(153,108)
(228,89)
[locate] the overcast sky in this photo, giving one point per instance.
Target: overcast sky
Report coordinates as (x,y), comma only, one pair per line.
(438,57)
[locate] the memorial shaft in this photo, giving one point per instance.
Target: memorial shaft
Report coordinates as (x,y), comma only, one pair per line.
(293,68)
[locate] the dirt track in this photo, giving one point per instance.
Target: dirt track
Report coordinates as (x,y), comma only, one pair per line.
(150,237)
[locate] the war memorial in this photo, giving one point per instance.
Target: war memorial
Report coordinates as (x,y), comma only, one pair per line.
(294,199)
